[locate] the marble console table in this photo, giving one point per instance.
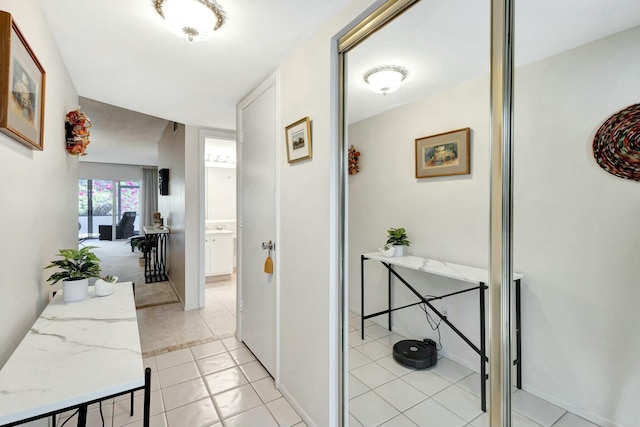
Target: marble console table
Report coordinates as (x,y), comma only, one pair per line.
(76,353)
(155,261)
(478,277)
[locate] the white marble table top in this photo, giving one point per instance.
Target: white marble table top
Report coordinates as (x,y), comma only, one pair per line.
(74,353)
(440,268)
(149,229)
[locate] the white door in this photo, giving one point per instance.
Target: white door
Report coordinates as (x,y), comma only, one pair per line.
(257,153)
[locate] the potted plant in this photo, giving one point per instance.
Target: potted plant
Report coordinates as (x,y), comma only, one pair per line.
(105,286)
(398,239)
(141,244)
(76,267)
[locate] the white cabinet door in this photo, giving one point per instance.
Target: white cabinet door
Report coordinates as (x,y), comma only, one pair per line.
(207,256)
(222,255)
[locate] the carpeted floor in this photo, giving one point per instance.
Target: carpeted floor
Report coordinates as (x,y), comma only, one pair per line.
(116,259)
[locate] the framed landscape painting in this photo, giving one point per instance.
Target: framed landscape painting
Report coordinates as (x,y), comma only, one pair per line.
(443,154)
(22,87)
(299,140)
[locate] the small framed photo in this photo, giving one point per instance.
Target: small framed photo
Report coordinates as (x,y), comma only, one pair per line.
(443,154)
(22,87)
(299,140)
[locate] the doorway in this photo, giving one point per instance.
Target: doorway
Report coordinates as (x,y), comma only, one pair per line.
(103,202)
(258,156)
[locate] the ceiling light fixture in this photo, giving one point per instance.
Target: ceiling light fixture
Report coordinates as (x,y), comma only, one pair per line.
(194,20)
(385,79)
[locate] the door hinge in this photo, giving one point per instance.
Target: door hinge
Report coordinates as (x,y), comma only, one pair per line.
(240,306)
(240,137)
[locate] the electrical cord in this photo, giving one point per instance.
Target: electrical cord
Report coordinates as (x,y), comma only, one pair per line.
(78,410)
(435,326)
(67,420)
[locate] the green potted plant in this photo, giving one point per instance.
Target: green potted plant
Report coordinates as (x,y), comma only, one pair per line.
(141,244)
(75,269)
(398,239)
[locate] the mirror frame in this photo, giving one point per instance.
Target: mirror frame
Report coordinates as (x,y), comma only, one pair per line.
(501,195)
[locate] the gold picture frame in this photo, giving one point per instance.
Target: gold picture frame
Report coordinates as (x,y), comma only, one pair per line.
(299,140)
(443,154)
(22,87)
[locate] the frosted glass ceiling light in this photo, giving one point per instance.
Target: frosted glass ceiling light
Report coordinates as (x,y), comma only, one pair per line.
(194,20)
(385,79)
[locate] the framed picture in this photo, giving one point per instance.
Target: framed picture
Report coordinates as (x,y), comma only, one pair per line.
(443,154)
(299,140)
(22,87)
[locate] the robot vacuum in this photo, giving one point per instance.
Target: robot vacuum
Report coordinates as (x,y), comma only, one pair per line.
(416,354)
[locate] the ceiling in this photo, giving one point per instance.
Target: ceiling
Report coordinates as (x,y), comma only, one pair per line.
(120,52)
(121,56)
(122,136)
(446,43)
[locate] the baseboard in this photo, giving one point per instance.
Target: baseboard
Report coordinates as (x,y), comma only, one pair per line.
(178,295)
(581,412)
(218,278)
(294,403)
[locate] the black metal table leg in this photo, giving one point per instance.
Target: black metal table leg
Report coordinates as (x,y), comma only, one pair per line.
(147,398)
(131,410)
(362,296)
(483,351)
(389,279)
(518,339)
(82,416)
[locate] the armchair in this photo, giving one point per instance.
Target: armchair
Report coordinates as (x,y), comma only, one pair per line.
(124,229)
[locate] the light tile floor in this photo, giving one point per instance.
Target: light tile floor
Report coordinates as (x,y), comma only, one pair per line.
(209,379)
(384,393)
(168,327)
(213,384)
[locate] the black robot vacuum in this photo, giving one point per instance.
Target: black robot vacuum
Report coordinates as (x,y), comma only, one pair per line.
(416,354)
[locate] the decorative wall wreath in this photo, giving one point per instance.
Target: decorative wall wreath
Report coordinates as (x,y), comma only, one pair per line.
(616,146)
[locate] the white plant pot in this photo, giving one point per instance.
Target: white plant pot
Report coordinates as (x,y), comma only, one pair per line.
(388,253)
(75,290)
(398,250)
(103,288)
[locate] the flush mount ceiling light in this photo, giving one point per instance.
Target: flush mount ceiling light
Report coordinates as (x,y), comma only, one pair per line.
(194,20)
(385,79)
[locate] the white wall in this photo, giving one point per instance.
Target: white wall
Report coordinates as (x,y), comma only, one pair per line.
(221,193)
(308,287)
(446,218)
(576,233)
(39,191)
(575,238)
(112,171)
(194,218)
(171,155)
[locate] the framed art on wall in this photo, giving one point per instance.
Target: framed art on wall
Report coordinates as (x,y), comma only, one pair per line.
(22,87)
(299,140)
(443,154)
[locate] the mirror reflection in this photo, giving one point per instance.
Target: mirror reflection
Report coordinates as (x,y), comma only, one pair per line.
(574,68)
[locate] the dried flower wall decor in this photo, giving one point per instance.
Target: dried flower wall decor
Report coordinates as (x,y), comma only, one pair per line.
(77,132)
(353,161)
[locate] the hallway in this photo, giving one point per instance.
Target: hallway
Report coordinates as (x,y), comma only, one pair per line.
(167,327)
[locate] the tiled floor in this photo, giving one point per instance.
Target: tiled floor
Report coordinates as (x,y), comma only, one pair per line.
(168,326)
(214,384)
(385,393)
(218,382)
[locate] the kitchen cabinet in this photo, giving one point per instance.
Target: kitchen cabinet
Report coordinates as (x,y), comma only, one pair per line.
(218,248)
